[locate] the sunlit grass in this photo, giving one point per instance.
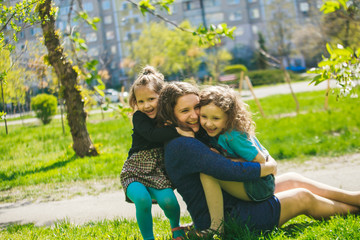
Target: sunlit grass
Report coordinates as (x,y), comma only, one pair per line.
(298,228)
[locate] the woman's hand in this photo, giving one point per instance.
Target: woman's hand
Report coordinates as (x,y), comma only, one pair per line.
(269,167)
(185,133)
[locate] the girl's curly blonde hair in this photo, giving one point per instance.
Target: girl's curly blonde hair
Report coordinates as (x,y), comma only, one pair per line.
(239,118)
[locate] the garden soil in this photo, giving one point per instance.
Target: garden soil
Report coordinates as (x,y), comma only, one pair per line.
(342,172)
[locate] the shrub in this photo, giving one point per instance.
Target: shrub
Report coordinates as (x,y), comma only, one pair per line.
(44,106)
(270,76)
(235,69)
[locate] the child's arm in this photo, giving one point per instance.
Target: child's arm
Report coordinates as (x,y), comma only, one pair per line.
(214,200)
(259,158)
(185,133)
(148,129)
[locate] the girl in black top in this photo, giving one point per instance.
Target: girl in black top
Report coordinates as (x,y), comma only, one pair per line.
(143,175)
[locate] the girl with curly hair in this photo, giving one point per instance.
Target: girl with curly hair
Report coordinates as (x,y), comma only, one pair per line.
(226,119)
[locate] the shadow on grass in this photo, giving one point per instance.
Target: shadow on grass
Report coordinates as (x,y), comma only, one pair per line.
(293,230)
(58,164)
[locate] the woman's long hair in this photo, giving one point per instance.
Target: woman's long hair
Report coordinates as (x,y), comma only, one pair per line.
(168,99)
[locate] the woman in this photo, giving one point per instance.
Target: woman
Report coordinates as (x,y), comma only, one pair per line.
(186,158)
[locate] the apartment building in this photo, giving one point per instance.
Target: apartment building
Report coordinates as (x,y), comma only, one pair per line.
(122,23)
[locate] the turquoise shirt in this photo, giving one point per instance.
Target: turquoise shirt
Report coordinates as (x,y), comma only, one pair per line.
(239,144)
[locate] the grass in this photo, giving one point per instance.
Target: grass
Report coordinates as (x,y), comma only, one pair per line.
(36,154)
(298,228)
(36,158)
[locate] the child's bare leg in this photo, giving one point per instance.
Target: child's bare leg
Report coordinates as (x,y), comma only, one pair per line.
(294,180)
(299,201)
(214,200)
(235,189)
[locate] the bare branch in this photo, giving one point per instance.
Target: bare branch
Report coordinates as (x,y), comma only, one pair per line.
(161,17)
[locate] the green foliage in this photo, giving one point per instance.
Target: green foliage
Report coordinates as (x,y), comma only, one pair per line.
(270,76)
(343,65)
(16,17)
(212,35)
(207,36)
(235,69)
(2,114)
(13,78)
(216,61)
(44,106)
(171,51)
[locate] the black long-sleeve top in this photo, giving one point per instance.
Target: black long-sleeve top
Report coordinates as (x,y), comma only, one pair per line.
(146,135)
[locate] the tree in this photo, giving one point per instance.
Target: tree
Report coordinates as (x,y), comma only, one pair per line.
(260,59)
(67,74)
(216,61)
(343,63)
(171,51)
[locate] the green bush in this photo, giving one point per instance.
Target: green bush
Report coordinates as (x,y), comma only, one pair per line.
(234,69)
(44,105)
(270,76)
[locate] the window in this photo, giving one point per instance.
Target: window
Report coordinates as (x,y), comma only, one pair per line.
(254,13)
(191,5)
(113,49)
(212,3)
(304,7)
(108,19)
(110,35)
(21,34)
(91,37)
(88,6)
(239,31)
(235,16)
(35,31)
(215,17)
(105,5)
(230,2)
(124,6)
(255,29)
(64,10)
(93,52)
(252,1)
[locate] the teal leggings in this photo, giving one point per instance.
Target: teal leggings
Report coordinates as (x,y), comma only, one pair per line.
(142,197)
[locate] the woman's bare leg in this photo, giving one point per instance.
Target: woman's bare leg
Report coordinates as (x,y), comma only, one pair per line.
(293,180)
(299,201)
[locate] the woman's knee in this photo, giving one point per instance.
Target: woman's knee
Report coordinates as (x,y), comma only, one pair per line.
(291,179)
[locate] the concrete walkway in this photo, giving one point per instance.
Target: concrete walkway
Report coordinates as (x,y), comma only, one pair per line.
(342,172)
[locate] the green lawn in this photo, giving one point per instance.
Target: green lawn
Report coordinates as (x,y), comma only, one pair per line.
(298,228)
(39,155)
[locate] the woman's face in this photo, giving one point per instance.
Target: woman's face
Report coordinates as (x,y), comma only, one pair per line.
(186,112)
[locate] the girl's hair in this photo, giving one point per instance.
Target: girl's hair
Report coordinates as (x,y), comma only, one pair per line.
(239,118)
(168,99)
(148,77)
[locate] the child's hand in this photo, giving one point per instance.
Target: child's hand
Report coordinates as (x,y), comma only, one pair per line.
(185,133)
(215,150)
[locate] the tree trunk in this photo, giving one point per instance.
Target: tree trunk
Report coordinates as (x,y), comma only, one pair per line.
(65,72)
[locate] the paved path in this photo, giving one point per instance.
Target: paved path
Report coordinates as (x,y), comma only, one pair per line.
(342,172)
(246,95)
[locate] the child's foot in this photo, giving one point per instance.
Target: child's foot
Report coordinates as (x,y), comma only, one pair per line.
(178,233)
